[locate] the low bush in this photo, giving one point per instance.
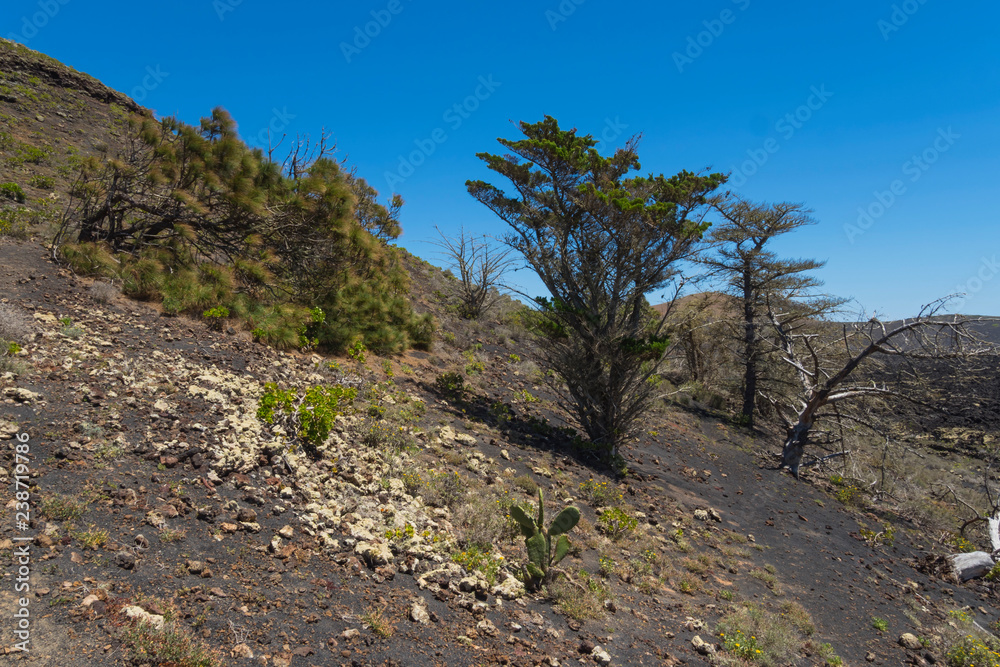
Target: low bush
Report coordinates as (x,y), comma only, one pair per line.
(12,191)
(616,523)
(309,416)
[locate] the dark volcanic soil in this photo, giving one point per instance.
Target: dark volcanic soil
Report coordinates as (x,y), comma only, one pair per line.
(303,602)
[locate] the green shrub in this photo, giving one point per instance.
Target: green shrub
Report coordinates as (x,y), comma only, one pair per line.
(451,384)
(616,523)
(26,153)
(526,483)
(310,416)
(41,182)
(215,316)
(12,191)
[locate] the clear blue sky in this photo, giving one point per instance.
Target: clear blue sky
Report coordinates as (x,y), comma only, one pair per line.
(709,84)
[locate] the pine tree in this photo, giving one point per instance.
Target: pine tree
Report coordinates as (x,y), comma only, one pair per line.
(753,274)
(600,241)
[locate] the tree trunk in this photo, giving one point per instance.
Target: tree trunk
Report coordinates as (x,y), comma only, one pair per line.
(749,352)
(795,445)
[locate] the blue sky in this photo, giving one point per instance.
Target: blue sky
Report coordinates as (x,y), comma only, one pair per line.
(884,108)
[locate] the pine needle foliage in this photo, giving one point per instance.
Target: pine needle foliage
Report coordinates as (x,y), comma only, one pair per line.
(600,240)
(194,218)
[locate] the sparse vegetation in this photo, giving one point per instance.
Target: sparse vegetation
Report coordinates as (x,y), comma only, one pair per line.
(752,633)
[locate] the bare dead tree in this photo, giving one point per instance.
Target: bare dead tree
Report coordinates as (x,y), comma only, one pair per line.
(837,371)
(481,268)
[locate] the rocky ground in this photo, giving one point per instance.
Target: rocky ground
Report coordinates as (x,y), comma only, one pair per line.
(156,492)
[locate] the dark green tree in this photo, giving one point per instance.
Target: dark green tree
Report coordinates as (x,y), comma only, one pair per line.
(600,240)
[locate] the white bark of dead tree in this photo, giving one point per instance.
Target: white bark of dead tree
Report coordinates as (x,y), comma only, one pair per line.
(826,379)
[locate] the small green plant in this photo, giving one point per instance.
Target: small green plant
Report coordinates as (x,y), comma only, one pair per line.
(13,348)
(757,636)
(525,396)
(513,358)
(382,435)
(850,495)
(479,560)
(874,539)
(62,508)
(215,317)
(310,416)
(169,535)
(994,574)
(401,534)
(12,191)
(501,412)
(41,182)
(961,544)
(357,351)
(963,617)
(308,338)
(616,523)
(828,655)
(543,556)
(451,384)
(880,624)
(68,329)
(91,539)
(378,622)
(14,222)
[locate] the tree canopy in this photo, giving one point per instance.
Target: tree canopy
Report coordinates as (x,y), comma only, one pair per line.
(600,239)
